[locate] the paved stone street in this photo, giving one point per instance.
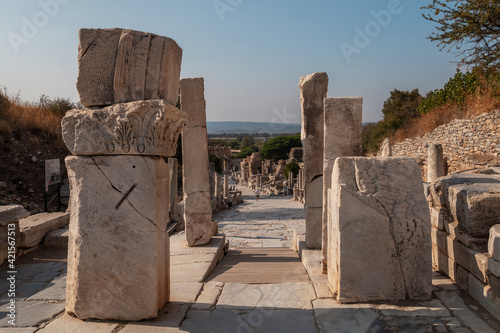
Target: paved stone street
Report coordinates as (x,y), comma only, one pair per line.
(268,222)
(231,306)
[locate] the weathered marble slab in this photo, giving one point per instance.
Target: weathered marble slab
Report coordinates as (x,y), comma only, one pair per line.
(379,231)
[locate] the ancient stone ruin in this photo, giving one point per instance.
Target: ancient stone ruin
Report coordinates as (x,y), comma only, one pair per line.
(118,257)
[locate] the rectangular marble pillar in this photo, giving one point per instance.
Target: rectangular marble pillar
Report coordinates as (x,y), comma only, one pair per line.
(197,204)
(118,253)
(173,166)
(343,127)
(313,90)
(379,231)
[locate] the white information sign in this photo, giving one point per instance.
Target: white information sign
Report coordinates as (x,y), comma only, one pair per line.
(52,172)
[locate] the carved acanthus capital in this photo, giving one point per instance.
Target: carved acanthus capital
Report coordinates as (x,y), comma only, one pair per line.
(149,127)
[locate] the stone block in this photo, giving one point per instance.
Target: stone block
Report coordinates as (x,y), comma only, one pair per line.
(34,228)
(472,200)
(442,262)
(118,255)
(149,127)
(313,230)
(57,239)
(9,226)
(484,295)
(494,266)
(437,218)
(379,231)
(494,242)
(119,65)
(462,278)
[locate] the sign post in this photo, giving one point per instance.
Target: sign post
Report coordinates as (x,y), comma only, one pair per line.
(52,176)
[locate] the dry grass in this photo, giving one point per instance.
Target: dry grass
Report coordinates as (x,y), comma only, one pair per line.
(474,105)
(33,119)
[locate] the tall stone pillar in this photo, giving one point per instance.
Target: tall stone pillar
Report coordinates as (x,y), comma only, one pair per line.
(290,181)
(313,90)
(118,247)
(435,162)
(197,204)
(173,166)
(343,127)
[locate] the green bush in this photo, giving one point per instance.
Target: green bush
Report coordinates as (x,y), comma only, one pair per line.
(292,167)
(247,151)
(456,90)
(279,147)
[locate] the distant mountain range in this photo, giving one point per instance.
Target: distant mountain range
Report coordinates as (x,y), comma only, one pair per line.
(248,127)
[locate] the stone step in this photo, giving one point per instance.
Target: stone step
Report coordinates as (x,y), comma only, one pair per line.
(34,228)
(57,238)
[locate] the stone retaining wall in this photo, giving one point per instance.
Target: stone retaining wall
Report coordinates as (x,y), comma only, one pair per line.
(467,143)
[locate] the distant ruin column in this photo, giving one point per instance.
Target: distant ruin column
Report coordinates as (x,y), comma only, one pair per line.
(197,204)
(173,166)
(290,181)
(343,127)
(435,162)
(211,175)
(118,247)
(226,185)
(313,90)
(385,148)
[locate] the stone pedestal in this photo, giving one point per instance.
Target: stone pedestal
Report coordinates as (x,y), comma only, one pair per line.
(118,255)
(343,127)
(313,90)
(379,231)
(435,162)
(196,182)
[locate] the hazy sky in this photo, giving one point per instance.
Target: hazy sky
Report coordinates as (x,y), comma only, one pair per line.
(251,53)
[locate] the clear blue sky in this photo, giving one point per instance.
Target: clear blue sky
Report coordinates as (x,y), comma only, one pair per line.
(251,53)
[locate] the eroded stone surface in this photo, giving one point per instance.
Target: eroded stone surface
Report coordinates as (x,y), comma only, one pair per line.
(120,65)
(379,224)
(118,256)
(137,128)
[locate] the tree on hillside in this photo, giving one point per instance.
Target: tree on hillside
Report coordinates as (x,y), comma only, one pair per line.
(401,107)
(472,27)
(247,141)
(279,147)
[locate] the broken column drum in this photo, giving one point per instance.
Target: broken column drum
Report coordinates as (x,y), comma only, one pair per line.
(313,90)
(118,250)
(435,162)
